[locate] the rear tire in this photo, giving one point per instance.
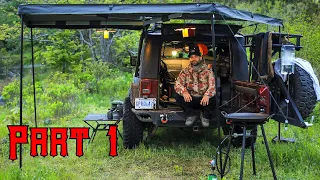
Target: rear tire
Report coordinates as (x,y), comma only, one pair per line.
(132,127)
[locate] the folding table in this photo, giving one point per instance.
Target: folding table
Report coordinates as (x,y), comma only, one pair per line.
(101,122)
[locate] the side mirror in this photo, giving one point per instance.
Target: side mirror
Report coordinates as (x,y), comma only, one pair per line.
(133,58)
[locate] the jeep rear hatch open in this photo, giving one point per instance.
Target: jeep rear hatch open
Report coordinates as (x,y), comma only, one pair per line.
(129,16)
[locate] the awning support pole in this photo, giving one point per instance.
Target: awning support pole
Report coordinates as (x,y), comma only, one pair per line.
(21,84)
(279,124)
(283,87)
(213,35)
(33,81)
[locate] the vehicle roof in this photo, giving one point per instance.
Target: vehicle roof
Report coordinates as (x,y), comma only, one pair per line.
(129,16)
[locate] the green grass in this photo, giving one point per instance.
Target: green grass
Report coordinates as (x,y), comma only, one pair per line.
(170,154)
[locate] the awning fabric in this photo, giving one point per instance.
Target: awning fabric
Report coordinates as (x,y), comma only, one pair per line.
(129,16)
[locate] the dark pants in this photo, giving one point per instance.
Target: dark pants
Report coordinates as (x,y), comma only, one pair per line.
(189,107)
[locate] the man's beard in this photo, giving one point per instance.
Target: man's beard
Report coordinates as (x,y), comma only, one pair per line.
(196,66)
(195,63)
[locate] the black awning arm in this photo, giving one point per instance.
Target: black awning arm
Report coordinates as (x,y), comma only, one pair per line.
(21,84)
(33,81)
(213,35)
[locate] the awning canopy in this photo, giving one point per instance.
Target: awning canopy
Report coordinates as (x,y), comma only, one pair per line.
(129,16)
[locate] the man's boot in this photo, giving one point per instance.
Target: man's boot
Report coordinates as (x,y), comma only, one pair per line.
(204,122)
(190,120)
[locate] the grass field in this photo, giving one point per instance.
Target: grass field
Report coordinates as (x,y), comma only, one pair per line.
(170,154)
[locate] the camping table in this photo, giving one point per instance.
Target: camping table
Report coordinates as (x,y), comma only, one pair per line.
(102,124)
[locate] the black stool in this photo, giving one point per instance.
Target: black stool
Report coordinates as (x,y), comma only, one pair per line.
(245,120)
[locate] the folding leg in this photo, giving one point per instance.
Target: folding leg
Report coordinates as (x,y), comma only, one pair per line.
(253,157)
(243,151)
(94,133)
(228,150)
(119,133)
(107,128)
(268,152)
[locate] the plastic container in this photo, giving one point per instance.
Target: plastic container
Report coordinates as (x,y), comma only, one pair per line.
(115,115)
(110,114)
(212,177)
(287,59)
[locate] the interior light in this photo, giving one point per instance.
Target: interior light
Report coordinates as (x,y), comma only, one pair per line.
(174,53)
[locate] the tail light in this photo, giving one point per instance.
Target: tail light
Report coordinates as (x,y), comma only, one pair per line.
(149,88)
(264,99)
(145,86)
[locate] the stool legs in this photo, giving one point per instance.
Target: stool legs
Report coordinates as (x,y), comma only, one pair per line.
(228,150)
(268,152)
(252,150)
(253,157)
(243,151)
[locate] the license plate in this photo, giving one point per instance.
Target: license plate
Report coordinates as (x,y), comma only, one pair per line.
(141,103)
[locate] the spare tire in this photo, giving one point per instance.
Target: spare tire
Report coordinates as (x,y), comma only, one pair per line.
(302,91)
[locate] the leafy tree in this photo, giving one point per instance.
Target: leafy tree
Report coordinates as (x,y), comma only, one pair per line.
(64,51)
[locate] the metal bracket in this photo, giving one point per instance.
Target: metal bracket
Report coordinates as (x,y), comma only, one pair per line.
(282,139)
(162,19)
(293,121)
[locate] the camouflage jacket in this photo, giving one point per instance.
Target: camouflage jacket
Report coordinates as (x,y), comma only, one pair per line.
(197,83)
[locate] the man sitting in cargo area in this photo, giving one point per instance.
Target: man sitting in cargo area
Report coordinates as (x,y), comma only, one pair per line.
(195,87)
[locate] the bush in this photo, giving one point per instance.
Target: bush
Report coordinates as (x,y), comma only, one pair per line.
(117,87)
(89,73)
(57,97)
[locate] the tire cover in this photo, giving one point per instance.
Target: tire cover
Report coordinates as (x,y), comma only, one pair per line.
(302,91)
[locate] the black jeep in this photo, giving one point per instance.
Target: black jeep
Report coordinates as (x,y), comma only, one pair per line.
(243,84)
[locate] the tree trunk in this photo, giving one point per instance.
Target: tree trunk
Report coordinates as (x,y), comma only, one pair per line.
(109,46)
(102,49)
(93,50)
(90,44)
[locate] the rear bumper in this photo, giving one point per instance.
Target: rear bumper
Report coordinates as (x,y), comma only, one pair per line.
(174,118)
(156,115)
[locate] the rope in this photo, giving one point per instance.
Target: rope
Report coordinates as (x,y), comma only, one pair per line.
(229,100)
(247,104)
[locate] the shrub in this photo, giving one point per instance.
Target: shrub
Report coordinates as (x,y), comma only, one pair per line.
(57,97)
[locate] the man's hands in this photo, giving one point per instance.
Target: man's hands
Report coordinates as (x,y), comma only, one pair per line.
(205,100)
(187,97)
